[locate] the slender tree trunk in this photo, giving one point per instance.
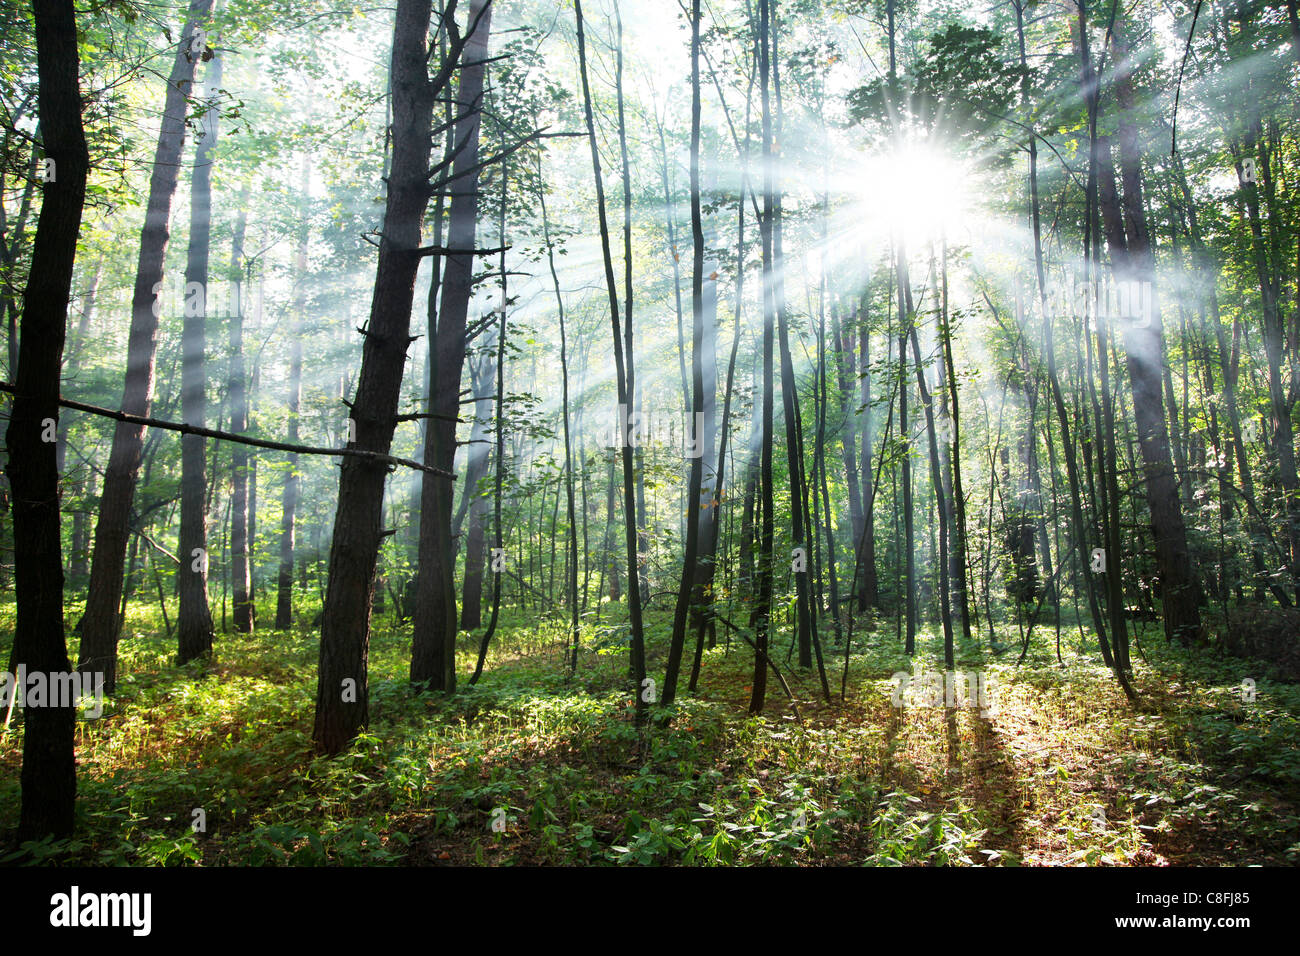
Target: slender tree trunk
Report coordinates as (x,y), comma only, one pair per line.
(570,499)
(194,619)
(800,510)
(476,542)
(870,581)
(498,483)
(292,480)
(433,654)
(689,569)
(244,611)
(961,558)
(904,431)
(101,623)
(625,377)
(761,616)
(1132,261)
(642,536)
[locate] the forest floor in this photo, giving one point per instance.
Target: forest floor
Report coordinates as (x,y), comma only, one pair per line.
(1061,771)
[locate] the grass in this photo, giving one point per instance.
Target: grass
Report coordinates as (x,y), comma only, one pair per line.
(532,767)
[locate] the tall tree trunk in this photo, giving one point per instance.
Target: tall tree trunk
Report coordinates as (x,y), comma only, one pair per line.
(642,534)
(1132,261)
(244,611)
(800,512)
(625,377)
(292,478)
(846,379)
(101,623)
(342,692)
(194,619)
(477,467)
(905,318)
(961,559)
(570,501)
(1281,445)
(433,652)
(870,580)
(689,568)
(49,777)
(761,615)
(940,498)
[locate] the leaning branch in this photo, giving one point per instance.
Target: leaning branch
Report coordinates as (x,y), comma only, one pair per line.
(242,439)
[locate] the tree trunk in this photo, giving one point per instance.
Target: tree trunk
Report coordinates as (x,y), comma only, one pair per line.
(761,615)
(1132,261)
(342,692)
(433,651)
(689,568)
(101,623)
(194,619)
(49,778)
(244,612)
(625,377)
(477,467)
(292,479)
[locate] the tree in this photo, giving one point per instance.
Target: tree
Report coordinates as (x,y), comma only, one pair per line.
(689,562)
(100,624)
(433,652)
(342,691)
(49,781)
(625,378)
(194,623)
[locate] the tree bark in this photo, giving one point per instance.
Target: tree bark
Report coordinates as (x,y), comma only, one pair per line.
(101,623)
(625,378)
(1132,261)
(433,650)
(689,569)
(292,478)
(342,691)
(194,619)
(49,779)
(244,611)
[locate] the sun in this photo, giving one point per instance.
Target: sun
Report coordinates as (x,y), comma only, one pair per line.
(916,191)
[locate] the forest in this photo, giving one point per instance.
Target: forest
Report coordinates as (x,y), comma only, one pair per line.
(650,432)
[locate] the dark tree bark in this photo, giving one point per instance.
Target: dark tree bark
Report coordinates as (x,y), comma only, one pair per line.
(1132,261)
(689,569)
(342,690)
(802,530)
(433,650)
(49,778)
(101,623)
(1281,399)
